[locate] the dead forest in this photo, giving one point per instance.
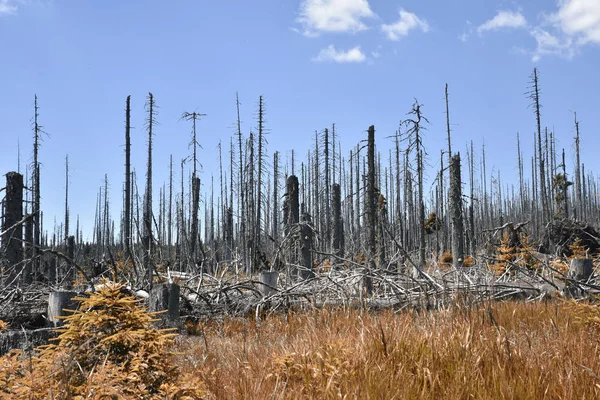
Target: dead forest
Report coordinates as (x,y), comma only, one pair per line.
(333,226)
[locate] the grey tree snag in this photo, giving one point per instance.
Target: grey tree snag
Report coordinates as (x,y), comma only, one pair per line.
(306,247)
(241,189)
(37,130)
(194,116)
(578,190)
(327,197)
(127,217)
(147,237)
(292,205)
(371,216)
(275,221)
(259,177)
(456,214)
(170,212)
(12,247)
(66,233)
(535,96)
(338,223)
(29,251)
(71,274)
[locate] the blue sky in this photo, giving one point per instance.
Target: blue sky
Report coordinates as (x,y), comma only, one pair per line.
(317,62)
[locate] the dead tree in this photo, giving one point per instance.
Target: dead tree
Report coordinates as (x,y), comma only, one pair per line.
(578,190)
(534,95)
(12,228)
(36,196)
(194,116)
(456,212)
(127,201)
(291,213)
(415,136)
(66,233)
(241,212)
(338,223)
(147,230)
(306,248)
(370,205)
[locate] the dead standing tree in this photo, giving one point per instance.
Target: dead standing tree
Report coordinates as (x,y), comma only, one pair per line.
(147,216)
(456,212)
(11,252)
(194,116)
(534,95)
(371,213)
(414,136)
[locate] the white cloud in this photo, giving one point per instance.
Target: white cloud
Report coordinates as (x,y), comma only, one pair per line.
(504,19)
(8,6)
(407,22)
(579,19)
(549,44)
(575,24)
(317,16)
(330,53)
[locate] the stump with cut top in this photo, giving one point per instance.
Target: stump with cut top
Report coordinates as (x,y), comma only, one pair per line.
(580,271)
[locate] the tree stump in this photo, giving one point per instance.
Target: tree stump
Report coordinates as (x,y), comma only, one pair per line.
(25,340)
(268,282)
(58,301)
(580,270)
(165,297)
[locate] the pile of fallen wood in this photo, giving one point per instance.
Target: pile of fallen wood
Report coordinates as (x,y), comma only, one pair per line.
(228,293)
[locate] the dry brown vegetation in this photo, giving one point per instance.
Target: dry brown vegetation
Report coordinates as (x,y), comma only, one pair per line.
(491,351)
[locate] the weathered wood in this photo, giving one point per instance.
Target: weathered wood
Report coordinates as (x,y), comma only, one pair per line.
(24,339)
(12,248)
(306,248)
(456,212)
(580,271)
(268,282)
(338,224)
(166,297)
(58,301)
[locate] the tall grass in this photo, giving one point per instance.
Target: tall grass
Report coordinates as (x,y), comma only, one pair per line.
(491,351)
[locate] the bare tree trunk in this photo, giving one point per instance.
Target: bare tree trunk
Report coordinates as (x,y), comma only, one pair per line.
(12,247)
(578,189)
(535,96)
(371,216)
(338,223)
(147,237)
(37,130)
(456,214)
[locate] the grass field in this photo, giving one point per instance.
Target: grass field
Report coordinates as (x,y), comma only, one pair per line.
(491,351)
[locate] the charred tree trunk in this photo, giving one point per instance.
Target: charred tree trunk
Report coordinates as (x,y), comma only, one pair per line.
(338,223)
(12,247)
(371,216)
(456,214)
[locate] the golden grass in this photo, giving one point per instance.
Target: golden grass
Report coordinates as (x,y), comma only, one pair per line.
(493,351)
(498,350)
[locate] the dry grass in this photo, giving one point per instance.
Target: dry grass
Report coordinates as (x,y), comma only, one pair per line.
(493,351)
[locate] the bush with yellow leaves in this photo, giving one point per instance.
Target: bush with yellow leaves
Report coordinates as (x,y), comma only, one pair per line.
(108,348)
(511,257)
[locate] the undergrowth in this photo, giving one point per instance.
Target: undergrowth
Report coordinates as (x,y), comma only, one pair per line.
(108,348)
(493,350)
